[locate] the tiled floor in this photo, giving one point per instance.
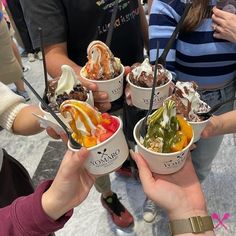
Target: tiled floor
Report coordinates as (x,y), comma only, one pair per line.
(41,156)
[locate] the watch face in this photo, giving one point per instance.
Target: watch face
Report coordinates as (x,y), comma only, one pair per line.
(227,5)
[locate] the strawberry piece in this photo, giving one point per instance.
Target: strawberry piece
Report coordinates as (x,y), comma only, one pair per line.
(114,125)
(105,136)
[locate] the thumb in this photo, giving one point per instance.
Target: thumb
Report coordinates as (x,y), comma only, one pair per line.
(144,172)
(127,70)
(76,160)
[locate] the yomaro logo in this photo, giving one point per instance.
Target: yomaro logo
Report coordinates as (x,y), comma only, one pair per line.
(157,99)
(105,158)
(117,89)
(174,163)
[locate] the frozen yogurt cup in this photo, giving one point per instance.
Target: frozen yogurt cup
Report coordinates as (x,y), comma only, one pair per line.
(198,127)
(109,155)
(165,161)
(104,69)
(64,88)
(189,104)
(113,87)
(140,80)
(101,133)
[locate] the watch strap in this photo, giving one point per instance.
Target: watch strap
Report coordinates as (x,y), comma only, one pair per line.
(196,224)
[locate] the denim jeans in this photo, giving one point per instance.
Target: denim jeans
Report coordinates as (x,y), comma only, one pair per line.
(207,149)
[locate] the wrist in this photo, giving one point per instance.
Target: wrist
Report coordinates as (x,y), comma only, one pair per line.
(192,223)
(52,207)
(185,214)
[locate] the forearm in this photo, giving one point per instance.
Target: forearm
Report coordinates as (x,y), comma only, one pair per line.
(228,123)
(59,52)
(149,6)
(144,26)
(25,122)
(26,214)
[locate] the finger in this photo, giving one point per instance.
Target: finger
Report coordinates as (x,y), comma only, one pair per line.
(218,35)
(127,70)
(76,159)
(144,172)
(103,106)
(100,96)
(64,137)
(217,12)
(217,20)
(192,147)
(52,133)
(89,85)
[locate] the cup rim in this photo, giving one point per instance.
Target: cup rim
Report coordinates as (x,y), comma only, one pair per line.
(40,104)
(147,89)
(106,141)
(159,153)
(198,122)
(102,81)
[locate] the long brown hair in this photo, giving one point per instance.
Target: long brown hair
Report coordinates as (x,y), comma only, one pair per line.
(196,14)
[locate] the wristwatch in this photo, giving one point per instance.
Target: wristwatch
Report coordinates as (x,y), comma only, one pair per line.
(195,225)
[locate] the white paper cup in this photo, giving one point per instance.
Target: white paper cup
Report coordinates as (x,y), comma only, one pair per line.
(161,163)
(198,128)
(113,87)
(49,117)
(141,96)
(108,155)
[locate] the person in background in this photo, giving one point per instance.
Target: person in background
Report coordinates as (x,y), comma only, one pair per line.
(16,12)
(198,55)
(7,42)
(67,37)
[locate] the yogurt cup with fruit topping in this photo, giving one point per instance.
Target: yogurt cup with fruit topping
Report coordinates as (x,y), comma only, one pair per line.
(103,69)
(102,134)
(166,145)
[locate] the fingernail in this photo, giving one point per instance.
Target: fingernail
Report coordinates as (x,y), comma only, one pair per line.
(104,96)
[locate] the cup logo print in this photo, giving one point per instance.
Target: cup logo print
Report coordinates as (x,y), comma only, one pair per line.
(105,159)
(220,221)
(118,89)
(156,99)
(175,163)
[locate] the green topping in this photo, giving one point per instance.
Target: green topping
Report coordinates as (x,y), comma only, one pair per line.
(162,127)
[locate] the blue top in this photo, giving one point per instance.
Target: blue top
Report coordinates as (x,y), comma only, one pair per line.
(195,56)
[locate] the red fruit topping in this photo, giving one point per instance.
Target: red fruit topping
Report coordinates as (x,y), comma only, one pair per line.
(109,123)
(105,136)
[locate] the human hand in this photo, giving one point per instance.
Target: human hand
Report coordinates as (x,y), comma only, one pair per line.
(100,97)
(53,134)
(224,24)
(70,186)
(127,88)
(179,193)
(212,127)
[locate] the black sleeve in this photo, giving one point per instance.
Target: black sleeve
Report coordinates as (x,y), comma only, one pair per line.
(50,16)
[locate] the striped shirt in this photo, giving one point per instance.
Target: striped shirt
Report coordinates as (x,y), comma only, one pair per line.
(195,56)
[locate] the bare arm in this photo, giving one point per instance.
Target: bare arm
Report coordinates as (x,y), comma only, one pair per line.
(58,51)
(144,26)
(149,6)
(222,124)
(25,122)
